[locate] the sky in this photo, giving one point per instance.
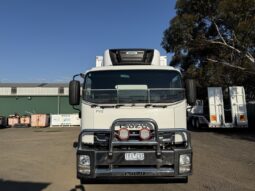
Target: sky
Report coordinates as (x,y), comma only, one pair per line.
(51,40)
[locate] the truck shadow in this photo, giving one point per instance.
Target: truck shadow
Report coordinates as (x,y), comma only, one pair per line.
(123,187)
(247,134)
(7,185)
(2,128)
(78,188)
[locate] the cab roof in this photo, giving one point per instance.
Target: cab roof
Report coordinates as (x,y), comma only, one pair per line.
(133,67)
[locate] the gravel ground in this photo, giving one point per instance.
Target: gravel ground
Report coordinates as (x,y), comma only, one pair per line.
(43,159)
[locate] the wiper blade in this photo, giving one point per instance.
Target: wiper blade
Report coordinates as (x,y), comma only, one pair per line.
(152,105)
(161,106)
(147,105)
(119,105)
(107,106)
(111,106)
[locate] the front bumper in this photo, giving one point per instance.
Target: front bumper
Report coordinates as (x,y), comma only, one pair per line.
(102,165)
(109,163)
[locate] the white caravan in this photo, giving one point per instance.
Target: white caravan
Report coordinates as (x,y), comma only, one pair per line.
(133,118)
(216,112)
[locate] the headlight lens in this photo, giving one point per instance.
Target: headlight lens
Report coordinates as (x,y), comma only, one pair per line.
(84,164)
(84,160)
(185,163)
(184,159)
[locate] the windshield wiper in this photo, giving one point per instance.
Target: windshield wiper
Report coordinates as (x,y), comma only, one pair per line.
(157,106)
(132,105)
(93,105)
(107,106)
(112,106)
(119,105)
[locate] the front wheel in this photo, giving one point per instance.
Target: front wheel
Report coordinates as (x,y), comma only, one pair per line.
(197,124)
(78,188)
(184,180)
(193,122)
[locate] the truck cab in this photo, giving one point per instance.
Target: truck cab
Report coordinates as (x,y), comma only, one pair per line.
(133,119)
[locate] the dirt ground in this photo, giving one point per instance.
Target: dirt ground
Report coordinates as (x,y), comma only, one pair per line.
(43,159)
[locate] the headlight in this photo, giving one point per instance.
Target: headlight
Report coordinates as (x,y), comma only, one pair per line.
(84,164)
(145,134)
(184,159)
(84,160)
(185,163)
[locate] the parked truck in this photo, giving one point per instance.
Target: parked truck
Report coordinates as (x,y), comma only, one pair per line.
(133,119)
(220,109)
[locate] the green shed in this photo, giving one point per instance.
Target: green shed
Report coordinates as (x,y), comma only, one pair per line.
(31,98)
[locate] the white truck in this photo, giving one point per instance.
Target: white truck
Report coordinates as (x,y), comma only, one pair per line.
(133,119)
(220,109)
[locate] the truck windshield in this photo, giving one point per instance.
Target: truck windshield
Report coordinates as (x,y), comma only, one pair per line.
(133,86)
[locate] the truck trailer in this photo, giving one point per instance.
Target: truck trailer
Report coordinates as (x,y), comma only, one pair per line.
(220,109)
(133,119)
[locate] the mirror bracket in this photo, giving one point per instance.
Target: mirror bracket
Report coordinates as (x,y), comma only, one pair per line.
(81,75)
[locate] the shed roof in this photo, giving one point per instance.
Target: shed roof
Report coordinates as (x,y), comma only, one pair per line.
(33,84)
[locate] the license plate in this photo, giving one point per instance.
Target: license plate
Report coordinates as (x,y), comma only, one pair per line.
(134,156)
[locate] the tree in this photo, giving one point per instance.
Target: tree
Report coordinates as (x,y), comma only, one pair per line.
(214,41)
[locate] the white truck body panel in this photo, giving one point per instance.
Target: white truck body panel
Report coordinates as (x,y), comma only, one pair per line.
(130,67)
(157,60)
(216,106)
(238,105)
(99,61)
(173,116)
(217,113)
(163,60)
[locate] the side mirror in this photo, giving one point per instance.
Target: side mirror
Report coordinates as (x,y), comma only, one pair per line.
(191,91)
(74,92)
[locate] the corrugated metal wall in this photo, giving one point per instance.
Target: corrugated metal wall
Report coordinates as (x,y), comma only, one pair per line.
(5,91)
(33,91)
(37,91)
(34,104)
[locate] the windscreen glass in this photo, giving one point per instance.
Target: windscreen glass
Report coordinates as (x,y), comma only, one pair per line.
(133,86)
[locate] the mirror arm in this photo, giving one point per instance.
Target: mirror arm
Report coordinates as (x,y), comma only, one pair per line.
(81,75)
(76,108)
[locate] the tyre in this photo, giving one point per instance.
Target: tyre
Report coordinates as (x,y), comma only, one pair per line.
(79,188)
(193,122)
(180,180)
(197,124)
(185,180)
